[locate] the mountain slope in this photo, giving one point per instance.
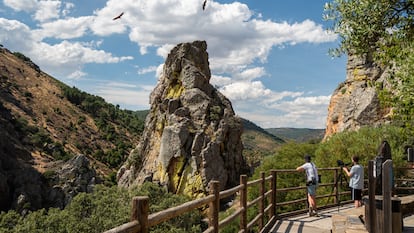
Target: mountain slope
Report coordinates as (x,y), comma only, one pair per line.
(297,134)
(258,143)
(43,121)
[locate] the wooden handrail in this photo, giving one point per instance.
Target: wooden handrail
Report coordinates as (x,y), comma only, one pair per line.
(141,221)
(172,212)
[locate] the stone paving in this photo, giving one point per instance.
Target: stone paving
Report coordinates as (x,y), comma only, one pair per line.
(342,220)
(305,224)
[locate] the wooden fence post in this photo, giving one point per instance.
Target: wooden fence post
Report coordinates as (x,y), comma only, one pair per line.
(140,212)
(214,207)
(262,201)
(386,192)
(243,203)
(371,198)
(273,198)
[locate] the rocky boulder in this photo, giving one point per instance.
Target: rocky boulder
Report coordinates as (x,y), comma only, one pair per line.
(191,135)
(355,102)
(66,180)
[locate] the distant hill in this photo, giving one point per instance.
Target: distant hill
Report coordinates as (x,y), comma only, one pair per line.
(258,142)
(297,134)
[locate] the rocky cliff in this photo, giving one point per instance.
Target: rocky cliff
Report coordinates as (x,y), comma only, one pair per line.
(355,102)
(191,134)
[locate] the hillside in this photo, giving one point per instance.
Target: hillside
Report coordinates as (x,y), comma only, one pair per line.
(297,134)
(258,142)
(67,118)
(44,123)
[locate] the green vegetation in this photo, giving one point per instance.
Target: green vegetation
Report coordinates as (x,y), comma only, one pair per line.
(40,139)
(102,210)
(298,134)
(107,117)
(363,142)
(383,30)
(22,57)
(27,60)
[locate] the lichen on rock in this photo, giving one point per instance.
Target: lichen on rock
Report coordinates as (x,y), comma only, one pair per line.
(191,135)
(355,102)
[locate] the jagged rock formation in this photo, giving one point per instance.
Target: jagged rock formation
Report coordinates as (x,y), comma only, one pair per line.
(191,135)
(67,179)
(355,102)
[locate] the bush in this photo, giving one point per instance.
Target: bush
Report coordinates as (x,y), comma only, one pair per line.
(102,210)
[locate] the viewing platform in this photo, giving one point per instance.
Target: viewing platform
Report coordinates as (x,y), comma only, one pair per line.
(336,211)
(345,219)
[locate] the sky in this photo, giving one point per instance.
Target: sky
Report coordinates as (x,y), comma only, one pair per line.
(269,57)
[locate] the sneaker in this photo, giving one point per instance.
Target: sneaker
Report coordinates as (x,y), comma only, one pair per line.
(314,213)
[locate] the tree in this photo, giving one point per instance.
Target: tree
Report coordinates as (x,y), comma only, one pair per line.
(383,29)
(372,26)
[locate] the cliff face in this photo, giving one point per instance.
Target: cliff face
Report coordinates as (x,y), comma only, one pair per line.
(355,102)
(191,134)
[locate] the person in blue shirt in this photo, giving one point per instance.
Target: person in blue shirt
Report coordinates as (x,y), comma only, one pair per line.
(356,181)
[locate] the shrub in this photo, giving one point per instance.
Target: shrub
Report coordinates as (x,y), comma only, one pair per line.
(105,208)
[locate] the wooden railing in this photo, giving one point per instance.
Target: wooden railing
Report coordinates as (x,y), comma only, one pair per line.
(267,207)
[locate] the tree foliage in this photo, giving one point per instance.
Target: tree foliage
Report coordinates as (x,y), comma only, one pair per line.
(383,29)
(106,117)
(371,26)
(102,210)
(343,146)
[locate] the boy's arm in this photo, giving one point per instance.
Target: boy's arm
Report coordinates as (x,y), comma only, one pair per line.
(346,171)
(300,169)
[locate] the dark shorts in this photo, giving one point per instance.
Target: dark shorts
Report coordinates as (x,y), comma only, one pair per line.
(356,194)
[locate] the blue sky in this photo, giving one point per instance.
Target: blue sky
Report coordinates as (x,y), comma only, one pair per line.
(270,58)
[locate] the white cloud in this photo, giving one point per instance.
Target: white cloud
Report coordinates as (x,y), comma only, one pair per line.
(76,75)
(42,10)
(245,90)
(251,74)
(22,5)
(234,38)
(125,94)
(62,59)
(47,10)
(68,6)
(16,36)
(65,28)
(306,112)
(146,70)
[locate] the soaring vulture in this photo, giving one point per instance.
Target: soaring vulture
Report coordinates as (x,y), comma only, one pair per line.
(204,4)
(119,16)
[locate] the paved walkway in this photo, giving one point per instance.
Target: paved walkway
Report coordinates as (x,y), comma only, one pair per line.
(305,224)
(323,223)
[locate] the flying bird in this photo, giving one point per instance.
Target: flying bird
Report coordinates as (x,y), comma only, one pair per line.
(119,16)
(204,4)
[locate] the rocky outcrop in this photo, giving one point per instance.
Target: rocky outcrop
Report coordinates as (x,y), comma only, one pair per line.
(355,102)
(66,180)
(191,135)
(23,188)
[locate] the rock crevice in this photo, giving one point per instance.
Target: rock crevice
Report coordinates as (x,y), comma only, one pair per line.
(191,135)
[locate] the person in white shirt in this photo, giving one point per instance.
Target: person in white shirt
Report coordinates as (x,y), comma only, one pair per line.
(356,182)
(311,183)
